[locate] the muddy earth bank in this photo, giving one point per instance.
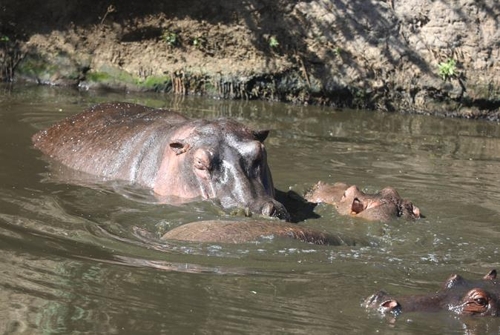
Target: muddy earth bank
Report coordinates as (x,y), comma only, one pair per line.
(424,56)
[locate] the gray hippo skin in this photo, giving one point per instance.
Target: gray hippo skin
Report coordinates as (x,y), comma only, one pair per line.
(176,157)
(460,296)
(248,231)
(384,206)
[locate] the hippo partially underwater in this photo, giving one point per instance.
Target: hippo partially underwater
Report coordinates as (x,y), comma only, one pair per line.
(176,157)
(383,206)
(188,159)
(221,231)
(458,295)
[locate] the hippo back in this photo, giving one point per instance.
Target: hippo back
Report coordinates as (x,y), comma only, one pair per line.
(107,139)
(247,231)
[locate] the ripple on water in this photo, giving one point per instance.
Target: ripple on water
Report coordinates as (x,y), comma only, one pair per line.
(89,259)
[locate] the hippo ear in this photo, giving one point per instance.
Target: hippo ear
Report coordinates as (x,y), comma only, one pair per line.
(492,275)
(454,281)
(357,206)
(179,147)
(416,213)
(260,135)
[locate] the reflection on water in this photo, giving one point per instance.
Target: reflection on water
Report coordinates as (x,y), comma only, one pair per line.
(79,259)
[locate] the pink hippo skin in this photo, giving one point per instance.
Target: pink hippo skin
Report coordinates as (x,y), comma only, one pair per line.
(383,206)
(460,296)
(162,150)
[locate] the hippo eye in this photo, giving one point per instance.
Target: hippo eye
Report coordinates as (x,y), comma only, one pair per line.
(476,302)
(481,301)
(203,159)
(201,164)
(198,164)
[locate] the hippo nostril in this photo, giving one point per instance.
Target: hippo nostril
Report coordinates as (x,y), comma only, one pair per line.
(268,209)
(275,210)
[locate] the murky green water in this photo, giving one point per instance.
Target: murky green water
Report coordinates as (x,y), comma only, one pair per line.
(75,259)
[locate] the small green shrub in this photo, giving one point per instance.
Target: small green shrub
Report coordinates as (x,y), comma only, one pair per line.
(273,42)
(447,69)
(171,38)
(199,42)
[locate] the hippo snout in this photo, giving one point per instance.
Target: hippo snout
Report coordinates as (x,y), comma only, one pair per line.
(275,209)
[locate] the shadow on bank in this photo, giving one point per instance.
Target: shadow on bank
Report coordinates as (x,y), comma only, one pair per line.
(338,53)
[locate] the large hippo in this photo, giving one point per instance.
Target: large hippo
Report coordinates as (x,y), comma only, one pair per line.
(463,297)
(219,231)
(176,157)
(384,206)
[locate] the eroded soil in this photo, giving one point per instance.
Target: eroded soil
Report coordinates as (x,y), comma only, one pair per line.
(382,55)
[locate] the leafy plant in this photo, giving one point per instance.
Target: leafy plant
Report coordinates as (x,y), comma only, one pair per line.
(447,69)
(171,38)
(199,42)
(273,42)
(4,38)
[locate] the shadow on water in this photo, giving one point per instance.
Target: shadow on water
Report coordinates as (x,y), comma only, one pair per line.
(88,259)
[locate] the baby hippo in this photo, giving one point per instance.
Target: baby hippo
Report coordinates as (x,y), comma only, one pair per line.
(384,206)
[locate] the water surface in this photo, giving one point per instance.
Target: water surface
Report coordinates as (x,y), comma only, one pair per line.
(83,260)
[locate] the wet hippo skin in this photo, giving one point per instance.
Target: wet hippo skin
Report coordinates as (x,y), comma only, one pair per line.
(458,295)
(248,231)
(383,206)
(174,156)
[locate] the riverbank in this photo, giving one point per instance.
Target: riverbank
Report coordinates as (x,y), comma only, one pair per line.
(431,57)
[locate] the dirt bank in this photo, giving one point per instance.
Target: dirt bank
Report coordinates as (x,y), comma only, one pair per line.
(424,56)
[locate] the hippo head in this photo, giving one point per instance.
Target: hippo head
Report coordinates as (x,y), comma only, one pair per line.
(460,296)
(350,200)
(383,206)
(224,161)
(479,298)
(477,301)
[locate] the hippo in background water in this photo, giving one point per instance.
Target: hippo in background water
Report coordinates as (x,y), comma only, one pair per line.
(383,206)
(458,295)
(216,231)
(176,157)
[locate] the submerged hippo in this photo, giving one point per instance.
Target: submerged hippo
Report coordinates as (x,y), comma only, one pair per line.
(249,231)
(463,297)
(176,157)
(350,200)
